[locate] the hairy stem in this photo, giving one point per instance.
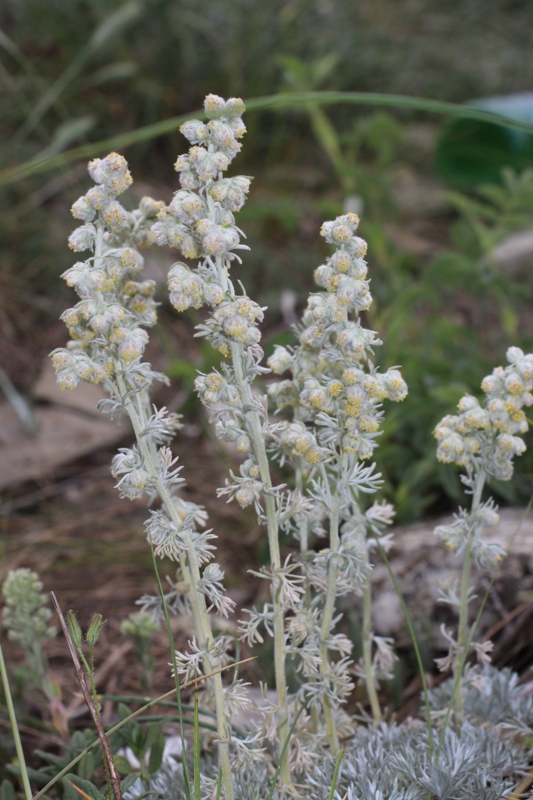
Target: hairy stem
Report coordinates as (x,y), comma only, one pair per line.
(462,635)
(253,426)
(328,612)
(192,570)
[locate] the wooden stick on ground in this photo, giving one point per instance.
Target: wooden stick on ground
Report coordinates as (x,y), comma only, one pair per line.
(82,680)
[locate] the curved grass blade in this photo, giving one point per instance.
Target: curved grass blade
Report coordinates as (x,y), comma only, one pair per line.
(412,634)
(14,727)
(120,724)
(285,748)
(336,774)
(271,102)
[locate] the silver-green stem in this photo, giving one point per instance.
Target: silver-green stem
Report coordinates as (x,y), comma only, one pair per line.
(191,571)
(253,427)
(329,608)
(462,635)
(137,414)
(367,652)
(14,728)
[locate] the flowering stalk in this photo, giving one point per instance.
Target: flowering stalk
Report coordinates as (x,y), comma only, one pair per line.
(108,341)
(200,222)
(483,440)
(336,395)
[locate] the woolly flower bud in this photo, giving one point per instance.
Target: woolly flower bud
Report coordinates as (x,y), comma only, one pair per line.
(514,355)
(510,445)
(231,192)
(194,131)
(359,446)
(315,396)
(282,393)
(280,360)
(73,367)
(111,171)
(216,107)
(81,209)
(84,279)
(96,197)
(210,387)
(356,292)
(150,207)
(222,136)
(132,345)
(207,165)
(115,216)
(354,340)
(82,238)
(248,493)
(213,293)
(488,516)
(323,276)
(217,239)
(514,384)
(187,207)
(340,261)
(185,287)
(396,386)
(341,229)
(130,260)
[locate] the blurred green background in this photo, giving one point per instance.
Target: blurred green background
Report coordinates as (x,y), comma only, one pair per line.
(446,207)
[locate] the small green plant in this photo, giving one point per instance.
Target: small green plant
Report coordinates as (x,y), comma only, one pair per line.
(26,618)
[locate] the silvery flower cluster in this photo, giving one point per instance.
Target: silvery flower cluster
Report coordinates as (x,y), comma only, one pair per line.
(327,428)
(488,435)
(483,439)
(107,327)
(335,394)
(200,223)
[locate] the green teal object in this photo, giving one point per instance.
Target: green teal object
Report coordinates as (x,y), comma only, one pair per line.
(470,152)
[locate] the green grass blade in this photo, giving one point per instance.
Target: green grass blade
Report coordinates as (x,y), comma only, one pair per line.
(114,23)
(196,749)
(219,786)
(14,728)
(272,102)
(412,634)
(336,774)
(285,748)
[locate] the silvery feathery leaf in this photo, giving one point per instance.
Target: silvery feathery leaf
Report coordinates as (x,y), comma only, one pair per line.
(249,629)
(379,515)
(140,375)
(189,665)
(237,698)
(162,425)
(288,505)
(212,587)
(363,479)
(168,476)
(176,601)
(287,585)
(489,694)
